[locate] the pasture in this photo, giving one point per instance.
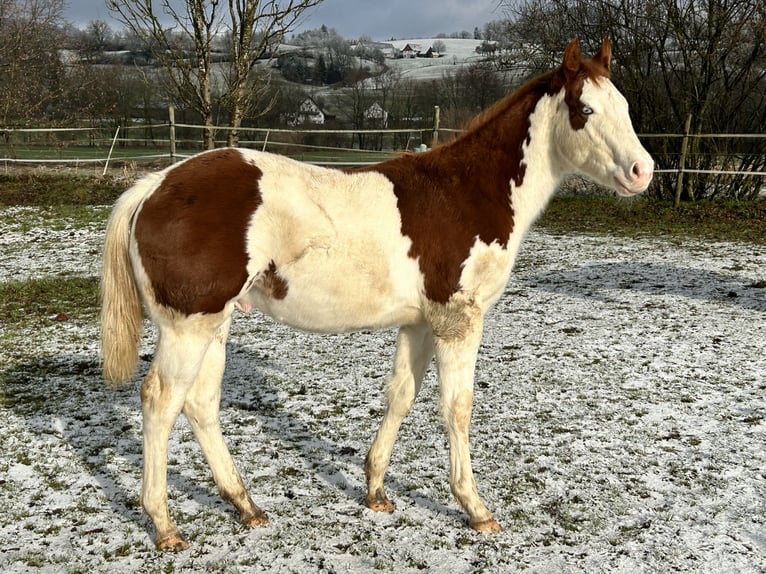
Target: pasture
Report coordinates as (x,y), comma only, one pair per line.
(619,423)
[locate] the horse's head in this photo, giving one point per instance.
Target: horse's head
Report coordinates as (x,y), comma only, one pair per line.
(593,134)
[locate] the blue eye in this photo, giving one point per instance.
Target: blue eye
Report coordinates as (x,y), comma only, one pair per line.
(587,110)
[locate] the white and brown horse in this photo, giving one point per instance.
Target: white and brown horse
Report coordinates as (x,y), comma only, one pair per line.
(424,242)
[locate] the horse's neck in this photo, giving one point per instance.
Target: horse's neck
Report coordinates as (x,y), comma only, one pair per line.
(516,153)
(542,175)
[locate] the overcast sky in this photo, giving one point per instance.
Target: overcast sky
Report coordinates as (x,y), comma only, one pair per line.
(379,19)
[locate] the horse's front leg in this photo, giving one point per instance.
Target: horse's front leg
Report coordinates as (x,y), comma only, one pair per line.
(456,361)
(414,350)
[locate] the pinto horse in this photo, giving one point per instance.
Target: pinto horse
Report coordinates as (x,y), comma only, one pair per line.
(423,242)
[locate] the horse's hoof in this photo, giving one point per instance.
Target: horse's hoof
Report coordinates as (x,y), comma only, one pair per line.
(384,506)
(174,542)
(379,502)
(486,526)
(258,518)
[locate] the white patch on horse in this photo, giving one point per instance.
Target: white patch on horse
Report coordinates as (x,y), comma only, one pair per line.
(486,271)
(335,238)
(612,157)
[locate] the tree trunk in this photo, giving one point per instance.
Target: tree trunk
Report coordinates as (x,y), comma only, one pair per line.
(208,134)
(236,113)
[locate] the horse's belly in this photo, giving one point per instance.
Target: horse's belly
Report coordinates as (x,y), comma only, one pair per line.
(343,292)
(326,311)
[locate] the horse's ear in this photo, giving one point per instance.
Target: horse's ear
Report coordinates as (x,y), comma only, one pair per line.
(572,59)
(604,56)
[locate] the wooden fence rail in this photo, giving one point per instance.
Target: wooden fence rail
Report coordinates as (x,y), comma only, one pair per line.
(147,142)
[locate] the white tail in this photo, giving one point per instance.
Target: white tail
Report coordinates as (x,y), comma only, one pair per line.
(121,313)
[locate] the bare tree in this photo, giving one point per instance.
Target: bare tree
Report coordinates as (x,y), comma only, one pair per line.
(184,47)
(701,60)
(256,28)
(31,71)
(95,39)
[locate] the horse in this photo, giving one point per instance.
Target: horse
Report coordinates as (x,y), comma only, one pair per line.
(422,242)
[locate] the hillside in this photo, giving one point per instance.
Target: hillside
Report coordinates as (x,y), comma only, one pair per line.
(458,52)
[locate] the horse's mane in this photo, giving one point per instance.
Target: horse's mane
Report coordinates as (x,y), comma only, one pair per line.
(530,91)
(547,83)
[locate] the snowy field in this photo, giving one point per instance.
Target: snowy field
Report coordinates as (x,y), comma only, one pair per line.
(619,427)
(459,52)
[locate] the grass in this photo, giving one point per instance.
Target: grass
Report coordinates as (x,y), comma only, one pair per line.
(147,156)
(80,152)
(53,189)
(37,301)
(716,220)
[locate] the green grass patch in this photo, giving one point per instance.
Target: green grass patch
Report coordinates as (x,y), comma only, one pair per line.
(36,300)
(50,189)
(639,217)
(72,153)
(341,157)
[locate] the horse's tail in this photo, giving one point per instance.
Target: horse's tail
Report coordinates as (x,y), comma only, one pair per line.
(121,312)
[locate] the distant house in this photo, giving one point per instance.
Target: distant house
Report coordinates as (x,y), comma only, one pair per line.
(417,51)
(411,51)
(308,112)
(428,54)
(377,115)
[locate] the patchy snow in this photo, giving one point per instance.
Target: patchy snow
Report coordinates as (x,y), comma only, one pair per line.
(460,48)
(619,427)
(459,52)
(33,245)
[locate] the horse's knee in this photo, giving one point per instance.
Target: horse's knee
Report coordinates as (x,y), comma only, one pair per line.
(150,388)
(457,410)
(401,395)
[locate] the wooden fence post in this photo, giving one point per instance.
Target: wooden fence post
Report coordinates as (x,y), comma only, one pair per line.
(435,137)
(682,160)
(172,134)
(111,149)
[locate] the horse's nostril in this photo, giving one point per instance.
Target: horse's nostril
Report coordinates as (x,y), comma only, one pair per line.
(642,170)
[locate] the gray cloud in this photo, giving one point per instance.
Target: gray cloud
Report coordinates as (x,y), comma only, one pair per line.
(380,19)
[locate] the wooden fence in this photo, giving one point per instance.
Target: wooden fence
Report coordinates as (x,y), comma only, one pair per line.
(140,143)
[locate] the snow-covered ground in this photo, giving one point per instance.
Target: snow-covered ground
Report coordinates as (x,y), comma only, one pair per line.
(458,52)
(619,427)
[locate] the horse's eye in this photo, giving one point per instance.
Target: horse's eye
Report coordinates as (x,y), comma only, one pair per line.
(587,110)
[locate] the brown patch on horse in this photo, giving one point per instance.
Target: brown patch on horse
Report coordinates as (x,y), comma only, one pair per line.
(191,231)
(271,282)
(461,191)
(575,71)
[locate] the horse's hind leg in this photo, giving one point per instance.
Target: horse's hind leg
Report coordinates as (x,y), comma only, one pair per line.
(181,347)
(201,409)
(414,351)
